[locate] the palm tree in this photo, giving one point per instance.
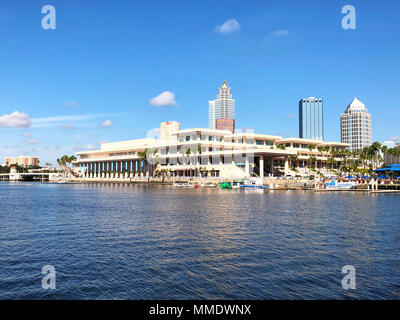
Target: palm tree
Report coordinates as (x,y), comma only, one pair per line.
(293,160)
(199,152)
(281,146)
(154,159)
(64,161)
(204,171)
(331,161)
(312,160)
(143,156)
(373,151)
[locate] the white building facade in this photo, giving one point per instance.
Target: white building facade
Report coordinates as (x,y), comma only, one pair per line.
(202,152)
(355,125)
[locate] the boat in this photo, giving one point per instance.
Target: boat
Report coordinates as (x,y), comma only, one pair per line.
(252,186)
(340,185)
(209,185)
(182,184)
(254,183)
(225,185)
(237,185)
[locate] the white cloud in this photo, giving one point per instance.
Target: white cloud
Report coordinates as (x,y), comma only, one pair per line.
(281,33)
(276,34)
(62,118)
(56,121)
(290,116)
(70,104)
(153,133)
(32,141)
(15,120)
(90,147)
(107,124)
(396,139)
(229,26)
(164,99)
(26,135)
(68,126)
(102,141)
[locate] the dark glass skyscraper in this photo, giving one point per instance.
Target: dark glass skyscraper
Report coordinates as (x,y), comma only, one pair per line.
(311,119)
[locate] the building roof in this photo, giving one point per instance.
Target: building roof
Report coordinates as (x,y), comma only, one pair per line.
(125,145)
(395,168)
(224,85)
(253,135)
(356,104)
(333,143)
(206,130)
(300,140)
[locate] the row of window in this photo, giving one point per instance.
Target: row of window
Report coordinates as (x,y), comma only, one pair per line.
(202,137)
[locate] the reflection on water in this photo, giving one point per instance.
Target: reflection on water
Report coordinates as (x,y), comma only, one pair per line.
(151,242)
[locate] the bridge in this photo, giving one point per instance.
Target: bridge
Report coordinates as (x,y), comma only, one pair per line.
(27,176)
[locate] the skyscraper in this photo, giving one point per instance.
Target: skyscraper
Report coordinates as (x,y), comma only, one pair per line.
(355,125)
(221,108)
(211,114)
(311,119)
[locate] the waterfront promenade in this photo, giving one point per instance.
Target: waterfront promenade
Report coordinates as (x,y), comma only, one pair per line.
(273,183)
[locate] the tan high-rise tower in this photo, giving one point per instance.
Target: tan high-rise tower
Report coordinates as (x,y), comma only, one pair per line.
(221,108)
(355,125)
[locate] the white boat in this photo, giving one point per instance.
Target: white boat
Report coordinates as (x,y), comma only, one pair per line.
(209,185)
(254,183)
(237,185)
(186,184)
(181,184)
(340,185)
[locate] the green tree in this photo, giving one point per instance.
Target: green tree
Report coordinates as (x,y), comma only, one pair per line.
(281,146)
(310,147)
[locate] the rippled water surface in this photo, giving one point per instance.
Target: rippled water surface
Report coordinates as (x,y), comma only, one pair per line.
(110,241)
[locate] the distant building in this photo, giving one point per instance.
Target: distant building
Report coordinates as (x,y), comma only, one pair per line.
(390,158)
(211,114)
(389,143)
(311,119)
(226,124)
(355,125)
(221,108)
(23,161)
(167,129)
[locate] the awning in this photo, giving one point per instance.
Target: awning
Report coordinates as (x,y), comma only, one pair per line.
(394,169)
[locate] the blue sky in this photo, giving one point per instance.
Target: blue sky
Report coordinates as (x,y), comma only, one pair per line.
(107,59)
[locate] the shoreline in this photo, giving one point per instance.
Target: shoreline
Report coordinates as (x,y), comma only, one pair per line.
(281,186)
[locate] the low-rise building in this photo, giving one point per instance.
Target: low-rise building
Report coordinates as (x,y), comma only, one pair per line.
(208,152)
(392,155)
(23,161)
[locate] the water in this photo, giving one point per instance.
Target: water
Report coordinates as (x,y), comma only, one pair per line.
(138,242)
